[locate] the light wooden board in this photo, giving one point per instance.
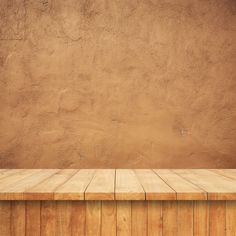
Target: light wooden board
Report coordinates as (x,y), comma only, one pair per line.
(13,180)
(45,189)
(16,191)
(102,186)
(7,172)
(120,184)
(217,187)
(185,190)
(155,188)
(75,187)
(225,173)
(128,186)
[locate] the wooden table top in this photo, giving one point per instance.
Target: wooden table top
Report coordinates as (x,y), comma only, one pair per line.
(117,184)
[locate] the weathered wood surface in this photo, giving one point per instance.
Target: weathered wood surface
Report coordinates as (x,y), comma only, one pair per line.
(120,184)
(118,202)
(121,218)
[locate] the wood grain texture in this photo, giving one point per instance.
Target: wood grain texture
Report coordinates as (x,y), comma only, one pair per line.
(108,218)
(185,218)
(102,186)
(169,214)
(185,190)
(121,218)
(18,218)
(9,183)
(226,173)
(63,218)
(201,218)
(45,189)
(155,223)
(139,218)
(120,184)
(48,218)
(33,218)
(230,218)
(124,218)
(217,187)
(74,188)
(217,218)
(17,190)
(155,188)
(78,218)
(7,172)
(93,218)
(5,218)
(127,186)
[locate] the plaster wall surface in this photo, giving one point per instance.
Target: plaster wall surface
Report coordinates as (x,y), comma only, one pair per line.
(123,83)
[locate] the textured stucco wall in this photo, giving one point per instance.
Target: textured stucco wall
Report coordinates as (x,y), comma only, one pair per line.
(123,83)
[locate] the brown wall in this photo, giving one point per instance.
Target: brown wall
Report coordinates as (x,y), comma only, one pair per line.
(120,83)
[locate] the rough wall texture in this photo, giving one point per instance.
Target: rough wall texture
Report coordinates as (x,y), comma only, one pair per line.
(123,83)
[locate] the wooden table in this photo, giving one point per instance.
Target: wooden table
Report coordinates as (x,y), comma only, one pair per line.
(117,202)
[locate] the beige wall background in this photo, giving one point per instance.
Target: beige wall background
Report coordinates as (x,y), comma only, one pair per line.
(121,83)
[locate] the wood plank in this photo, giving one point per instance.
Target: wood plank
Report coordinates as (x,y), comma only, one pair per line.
(154,218)
(63,218)
(185,190)
(128,186)
(7,172)
(5,218)
(185,218)
(74,188)
(48,218)
(33,218)
(93,218)
(124,218)
(108,218)
(18,218)
(102,186)
(155,188)
(230,218)
(11,181)
(201,218)
(217,187)
(169,214)
(16,191)
(45,189)
(139,218)
(225,173)
(217,218)
(78,218)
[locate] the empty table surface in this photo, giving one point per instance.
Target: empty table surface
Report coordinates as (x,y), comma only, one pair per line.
(118,184)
